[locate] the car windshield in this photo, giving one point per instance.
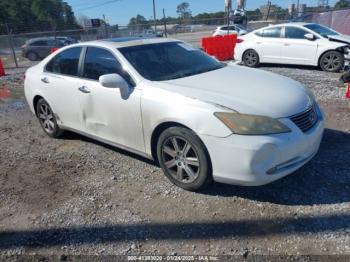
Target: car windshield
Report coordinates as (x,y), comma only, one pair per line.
(321,30)
(166,61)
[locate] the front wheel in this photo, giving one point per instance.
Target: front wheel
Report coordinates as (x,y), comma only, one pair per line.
(251,58)
(332,61)
(184,158)
(47,119)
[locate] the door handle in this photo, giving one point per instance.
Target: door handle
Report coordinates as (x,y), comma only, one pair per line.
(45,80)
(84,89)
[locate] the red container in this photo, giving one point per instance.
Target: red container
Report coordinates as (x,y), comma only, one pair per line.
(222,47)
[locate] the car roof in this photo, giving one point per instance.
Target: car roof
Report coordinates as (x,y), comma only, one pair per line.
(128,41)
(298,24)
(41,38)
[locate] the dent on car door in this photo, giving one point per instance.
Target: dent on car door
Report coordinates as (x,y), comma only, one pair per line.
(269,44)
(60,87)
(296,48)
(105,112)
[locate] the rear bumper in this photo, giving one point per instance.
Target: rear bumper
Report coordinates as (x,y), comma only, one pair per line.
(259,160)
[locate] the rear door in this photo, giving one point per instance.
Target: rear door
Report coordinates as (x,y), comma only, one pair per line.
(41,48)
(60,83)
(268,44)
(296,48)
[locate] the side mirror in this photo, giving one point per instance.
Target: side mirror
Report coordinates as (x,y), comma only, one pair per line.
(113,81)
(116,81)
(310,37)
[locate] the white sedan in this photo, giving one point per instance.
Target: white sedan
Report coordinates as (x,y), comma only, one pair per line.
(294,43)
(232,29)
(165,100)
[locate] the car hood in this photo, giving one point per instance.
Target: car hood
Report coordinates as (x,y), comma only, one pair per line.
(340,38)
(245,90)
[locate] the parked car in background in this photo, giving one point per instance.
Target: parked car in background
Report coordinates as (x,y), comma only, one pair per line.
(202,120)
(39,48)
(67,40)
(232,29)
(294,43)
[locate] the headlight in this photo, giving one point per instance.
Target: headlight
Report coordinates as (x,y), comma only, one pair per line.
(251,124)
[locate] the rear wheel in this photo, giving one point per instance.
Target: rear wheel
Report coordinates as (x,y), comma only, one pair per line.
(332,61)
(32,56)
(184,159)
(47,119)
(251,58)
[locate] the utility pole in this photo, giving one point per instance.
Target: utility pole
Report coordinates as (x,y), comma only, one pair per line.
(298,2)
(228,7)
(9,35)
(164,18)
(154,16)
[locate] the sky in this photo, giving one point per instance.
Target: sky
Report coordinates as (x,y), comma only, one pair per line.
(120,11)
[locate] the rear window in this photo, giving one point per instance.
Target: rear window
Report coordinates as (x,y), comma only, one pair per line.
(65,63)
(273,32)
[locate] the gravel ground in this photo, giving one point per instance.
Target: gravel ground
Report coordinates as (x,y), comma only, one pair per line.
(76,196)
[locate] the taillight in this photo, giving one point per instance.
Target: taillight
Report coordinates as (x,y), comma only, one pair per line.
(239,40)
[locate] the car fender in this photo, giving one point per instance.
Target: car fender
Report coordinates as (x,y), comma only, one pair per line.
(160,106)
(329,46)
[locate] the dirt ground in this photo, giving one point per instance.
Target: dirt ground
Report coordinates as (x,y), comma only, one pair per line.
(77,196)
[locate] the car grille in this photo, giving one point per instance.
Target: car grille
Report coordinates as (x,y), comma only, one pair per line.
(305,120)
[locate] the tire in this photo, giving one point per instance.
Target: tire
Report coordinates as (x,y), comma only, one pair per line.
(332,61)
(47,119)
(251,58)
(184,159)
(32,56)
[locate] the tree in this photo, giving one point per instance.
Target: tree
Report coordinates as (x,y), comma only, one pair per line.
(183,10)
(36,15)
(138,23)
(342,4)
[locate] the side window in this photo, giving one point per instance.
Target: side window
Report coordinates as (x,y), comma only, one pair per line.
(274,32)
(100,62)
(66,62)
(259,33)
(232,28)
(39,43)
(294,33)
(224,28)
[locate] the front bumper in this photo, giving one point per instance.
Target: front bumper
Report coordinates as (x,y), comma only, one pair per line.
(259,160)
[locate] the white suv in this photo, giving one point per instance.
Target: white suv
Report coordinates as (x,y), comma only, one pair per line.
(294,43)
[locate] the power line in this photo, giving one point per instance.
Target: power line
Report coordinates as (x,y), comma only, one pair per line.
(99,5)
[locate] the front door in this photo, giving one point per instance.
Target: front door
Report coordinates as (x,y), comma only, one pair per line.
(105,112)
(296,48)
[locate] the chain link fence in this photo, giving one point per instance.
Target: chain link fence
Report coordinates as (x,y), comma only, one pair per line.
(190,31)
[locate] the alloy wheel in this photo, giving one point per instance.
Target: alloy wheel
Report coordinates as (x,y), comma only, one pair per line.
(180,159)
(46,118)
(250,58)
(331,62)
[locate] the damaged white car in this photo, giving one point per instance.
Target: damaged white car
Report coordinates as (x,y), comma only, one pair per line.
(202,120)
(295,43)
